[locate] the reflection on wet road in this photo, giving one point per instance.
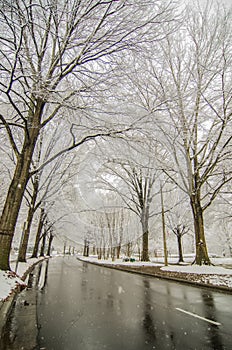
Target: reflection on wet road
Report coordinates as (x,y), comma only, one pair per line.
(88,307)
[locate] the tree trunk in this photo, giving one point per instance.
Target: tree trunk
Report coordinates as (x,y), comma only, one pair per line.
(230,250)
(128,249)
(84,251)
(23,248)
(87,249)
(99,253)
(145,252)
(179,241)
(164,228)
(42,248)
(139,251)
(11,209)
(108,253)
(200,242)
(50,244)
(118,251)
(17,187)
(30,215)
(38,234)
(145,249)
(113,254)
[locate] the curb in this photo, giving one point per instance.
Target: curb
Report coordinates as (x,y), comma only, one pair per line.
(7,305)
(5,309)
(224,289)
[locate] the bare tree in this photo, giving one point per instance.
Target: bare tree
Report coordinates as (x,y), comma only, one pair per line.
(180,231)
(191,83)
(45,184)
(204,140)
(136,192)
(47,54)
(42,218)
(115,221)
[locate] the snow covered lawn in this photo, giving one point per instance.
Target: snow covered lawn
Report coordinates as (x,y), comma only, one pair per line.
(206,275)
(10,281)
(208,270)
(213,275)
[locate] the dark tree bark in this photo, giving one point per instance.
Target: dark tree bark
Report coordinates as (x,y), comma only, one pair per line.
(30,215)
(43,243)
(118,251)
(99,253)
(180,250)
(128,249)
(202,256)
(145,252)
(18,185)
(180,231)
(38,234)
(86,248)
(51,236)
(145,237)
(64,250)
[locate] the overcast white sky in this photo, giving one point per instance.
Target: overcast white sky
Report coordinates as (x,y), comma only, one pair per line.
(226,2)
(229,2)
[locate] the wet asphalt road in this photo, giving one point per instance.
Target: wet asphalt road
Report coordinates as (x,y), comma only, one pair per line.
(88,307)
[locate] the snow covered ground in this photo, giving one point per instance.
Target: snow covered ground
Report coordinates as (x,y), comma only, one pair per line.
(214,275)
(9,281)
(184,267)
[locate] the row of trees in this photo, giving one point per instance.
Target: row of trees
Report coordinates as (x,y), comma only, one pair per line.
(107,235)
(183,97)
(186,89)
(52,55)
(145,85)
